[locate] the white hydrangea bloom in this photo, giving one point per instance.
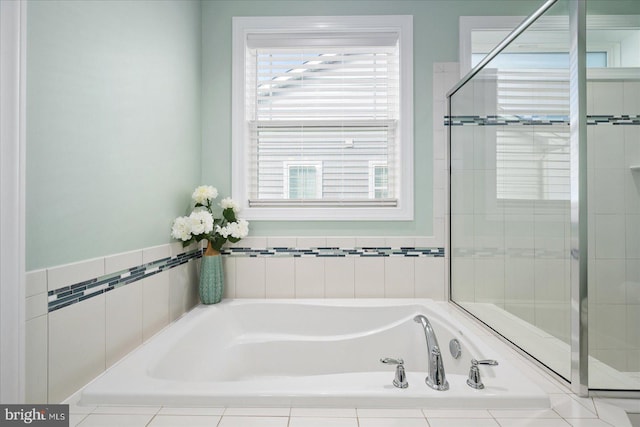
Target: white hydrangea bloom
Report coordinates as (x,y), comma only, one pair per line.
(243,229)
(228,202)
(223,231)
(181,229)
(200,222)
(204,193)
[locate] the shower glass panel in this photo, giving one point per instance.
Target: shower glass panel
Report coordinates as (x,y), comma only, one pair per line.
(613,175)
(510,192)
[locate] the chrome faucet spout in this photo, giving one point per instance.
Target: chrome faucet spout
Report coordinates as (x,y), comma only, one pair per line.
(436,378)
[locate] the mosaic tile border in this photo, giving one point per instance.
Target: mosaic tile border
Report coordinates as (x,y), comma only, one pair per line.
(536,120)
(72,294)
(69,295)
(335,252)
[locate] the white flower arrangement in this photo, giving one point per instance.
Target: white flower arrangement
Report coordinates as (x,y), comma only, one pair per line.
(202,223)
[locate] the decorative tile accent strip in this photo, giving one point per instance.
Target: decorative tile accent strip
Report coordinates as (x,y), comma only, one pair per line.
(536,120)
(69,295)
(334,252)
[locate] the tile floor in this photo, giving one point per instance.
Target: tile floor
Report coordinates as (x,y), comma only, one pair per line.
(566,410)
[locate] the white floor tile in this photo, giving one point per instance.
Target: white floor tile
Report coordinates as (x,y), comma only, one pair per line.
(532,414)
(612,414)
(127,410)
(75,419)
(253,422)
(393,422)
(515,422)
(456,413)
(569,408)
(324,412)
(322,422)
(462,422)
(119,420)
(260,412)
(390,413)
(184,421)
(190,411)
(585,422)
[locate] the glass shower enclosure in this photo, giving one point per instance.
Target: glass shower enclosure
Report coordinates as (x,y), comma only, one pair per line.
(544,157)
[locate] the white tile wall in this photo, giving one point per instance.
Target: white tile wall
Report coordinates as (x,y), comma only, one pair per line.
(76,346)
(124,312)
(614,208)
(68,347)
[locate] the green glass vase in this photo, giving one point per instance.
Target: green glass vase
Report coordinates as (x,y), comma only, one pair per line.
(211,277)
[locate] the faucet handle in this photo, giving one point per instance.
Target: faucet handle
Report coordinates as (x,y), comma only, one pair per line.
(490,362)
(474,380)
(400,380)
(391,361)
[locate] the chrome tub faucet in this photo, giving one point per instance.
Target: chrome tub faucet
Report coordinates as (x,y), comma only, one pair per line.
(436,379)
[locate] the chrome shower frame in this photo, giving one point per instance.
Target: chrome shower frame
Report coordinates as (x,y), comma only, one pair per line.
(578,177)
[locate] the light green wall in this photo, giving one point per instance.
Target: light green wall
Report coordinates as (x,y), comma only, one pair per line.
(435,26)
(117,135)
(113,125)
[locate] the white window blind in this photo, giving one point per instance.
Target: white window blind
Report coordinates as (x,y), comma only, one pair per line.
(532,160)
(329,99)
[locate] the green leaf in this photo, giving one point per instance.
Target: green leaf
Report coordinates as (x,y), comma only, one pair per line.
(233,239)
(229,215)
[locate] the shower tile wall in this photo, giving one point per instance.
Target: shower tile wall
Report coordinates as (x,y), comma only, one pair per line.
(509,250)
(614,225)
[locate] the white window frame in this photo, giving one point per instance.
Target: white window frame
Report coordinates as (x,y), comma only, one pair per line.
(314,164)
(242,27)
(469,24)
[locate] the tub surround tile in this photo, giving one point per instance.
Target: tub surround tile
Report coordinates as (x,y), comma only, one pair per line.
(311,242)
(250,278)
(532,414)
(369,278)
(36,350)
(156,253)
(339,277)
(155,304)
(280,277)
(309,277)
(124,312)
(229,270)
(76,347)
(36,305)
(65,275)
(35,282)
(122,261)
(399,277)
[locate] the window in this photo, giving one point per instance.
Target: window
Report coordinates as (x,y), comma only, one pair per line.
(378,180)
(303,181)
(316,101)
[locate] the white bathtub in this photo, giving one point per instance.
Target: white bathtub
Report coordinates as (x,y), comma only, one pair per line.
(309,353)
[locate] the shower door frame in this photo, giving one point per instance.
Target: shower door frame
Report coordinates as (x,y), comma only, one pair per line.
(579,374)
